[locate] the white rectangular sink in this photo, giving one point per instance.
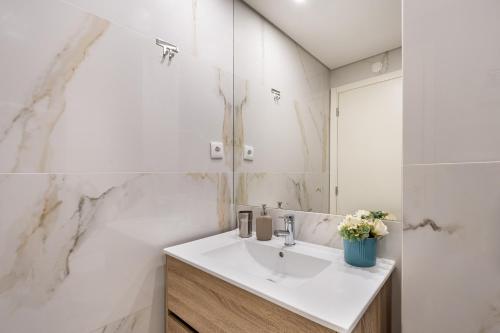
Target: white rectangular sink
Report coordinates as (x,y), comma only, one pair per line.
(310,280)
(271,262)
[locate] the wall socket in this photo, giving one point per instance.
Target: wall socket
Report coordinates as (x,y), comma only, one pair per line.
(248,154)
(216,150)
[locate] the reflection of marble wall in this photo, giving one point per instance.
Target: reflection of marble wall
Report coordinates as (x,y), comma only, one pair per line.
(290,138)
(103,154)
(451,196)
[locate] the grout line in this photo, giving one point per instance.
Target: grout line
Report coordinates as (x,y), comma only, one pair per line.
(115,173)
(267,174)
(451,163)
(233,218)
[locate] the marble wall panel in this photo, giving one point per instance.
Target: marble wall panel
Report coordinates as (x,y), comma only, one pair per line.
(101,101)
(451,251)
(451,95)
(296,191)
(88,247)
(451,174)
(103,155)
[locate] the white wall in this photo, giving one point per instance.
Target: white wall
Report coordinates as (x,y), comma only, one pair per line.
(104,154)
(451,170)
(360,70)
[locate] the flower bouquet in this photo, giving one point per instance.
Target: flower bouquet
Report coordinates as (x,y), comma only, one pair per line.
(360,232)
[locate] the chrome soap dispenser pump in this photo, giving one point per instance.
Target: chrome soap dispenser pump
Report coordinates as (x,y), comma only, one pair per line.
(264,225)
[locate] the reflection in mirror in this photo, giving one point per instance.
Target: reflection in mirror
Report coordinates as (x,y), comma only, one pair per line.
(366,150)
(318,91)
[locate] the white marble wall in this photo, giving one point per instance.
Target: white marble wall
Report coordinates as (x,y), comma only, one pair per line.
(451,251)
(290,138)
(103,154)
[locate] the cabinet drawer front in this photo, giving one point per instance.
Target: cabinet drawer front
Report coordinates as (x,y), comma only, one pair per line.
(174,325)
(209,304)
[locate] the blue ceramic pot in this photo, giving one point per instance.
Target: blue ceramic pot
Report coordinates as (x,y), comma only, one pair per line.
(360,253)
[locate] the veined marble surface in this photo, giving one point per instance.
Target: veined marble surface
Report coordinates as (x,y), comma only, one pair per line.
(297,191)
(451,243)
(290,138)
(86,246)
(452,172)
(104,154)
(97,98)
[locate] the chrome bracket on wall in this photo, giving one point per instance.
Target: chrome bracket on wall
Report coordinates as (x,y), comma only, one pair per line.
(276,95)
(169,50)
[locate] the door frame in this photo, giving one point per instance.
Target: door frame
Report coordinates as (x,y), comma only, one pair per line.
(334,104)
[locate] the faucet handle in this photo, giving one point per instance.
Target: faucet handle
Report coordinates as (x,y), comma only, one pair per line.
(288,218)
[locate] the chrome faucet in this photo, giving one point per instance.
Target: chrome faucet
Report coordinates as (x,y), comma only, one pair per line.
(289,232)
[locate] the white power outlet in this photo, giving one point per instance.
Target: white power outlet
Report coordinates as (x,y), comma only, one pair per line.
(216,150)
(248,154)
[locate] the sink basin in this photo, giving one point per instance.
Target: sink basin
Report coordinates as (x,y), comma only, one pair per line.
(274,264)
(307,279)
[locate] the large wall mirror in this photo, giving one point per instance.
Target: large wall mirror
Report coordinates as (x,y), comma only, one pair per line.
(318,105)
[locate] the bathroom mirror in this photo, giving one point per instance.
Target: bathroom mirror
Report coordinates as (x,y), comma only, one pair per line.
(318,105)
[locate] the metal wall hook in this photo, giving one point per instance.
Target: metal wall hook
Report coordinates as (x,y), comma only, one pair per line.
(169,50)
(276,95)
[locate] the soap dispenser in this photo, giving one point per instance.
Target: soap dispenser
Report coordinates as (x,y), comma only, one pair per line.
(264,226)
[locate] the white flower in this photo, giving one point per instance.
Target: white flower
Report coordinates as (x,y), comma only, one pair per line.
(379,229)
(349,222)
(362,213)
(352,220)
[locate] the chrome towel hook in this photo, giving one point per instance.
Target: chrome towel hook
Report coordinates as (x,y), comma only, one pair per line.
(169,50)
(276,95)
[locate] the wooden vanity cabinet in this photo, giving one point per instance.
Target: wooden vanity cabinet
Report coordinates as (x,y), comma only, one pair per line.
(199,302)
(175,325)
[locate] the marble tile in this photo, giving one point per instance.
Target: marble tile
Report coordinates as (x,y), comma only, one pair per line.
(200,28)
(99,100)
(451,249)
(136,322)
(452,79)
(291,136)
(68,243)
(296,191)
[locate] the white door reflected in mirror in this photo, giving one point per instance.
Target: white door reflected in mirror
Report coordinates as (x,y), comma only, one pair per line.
(367,164)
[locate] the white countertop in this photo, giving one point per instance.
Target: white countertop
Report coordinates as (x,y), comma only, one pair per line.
(337,297)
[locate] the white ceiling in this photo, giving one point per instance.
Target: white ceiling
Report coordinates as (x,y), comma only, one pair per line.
(337,32)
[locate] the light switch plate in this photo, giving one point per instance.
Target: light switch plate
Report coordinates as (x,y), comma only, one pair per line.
(216,150)
(248,154)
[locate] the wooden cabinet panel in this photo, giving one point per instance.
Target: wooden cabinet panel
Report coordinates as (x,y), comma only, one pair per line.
(174,325)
